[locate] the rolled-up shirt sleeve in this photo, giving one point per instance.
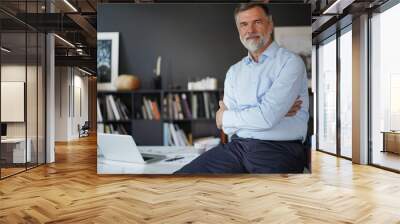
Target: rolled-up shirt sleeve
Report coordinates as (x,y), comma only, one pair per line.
(275,103)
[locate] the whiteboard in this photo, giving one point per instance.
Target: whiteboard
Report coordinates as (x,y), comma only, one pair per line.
(12,101)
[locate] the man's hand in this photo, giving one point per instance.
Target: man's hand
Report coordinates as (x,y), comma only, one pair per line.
(295,108)
(218,117)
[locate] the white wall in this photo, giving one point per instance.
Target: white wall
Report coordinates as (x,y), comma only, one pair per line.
(61,103)
(71,94)
(79,112)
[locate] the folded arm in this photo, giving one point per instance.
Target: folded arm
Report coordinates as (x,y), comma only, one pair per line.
(274,105)
(229,100)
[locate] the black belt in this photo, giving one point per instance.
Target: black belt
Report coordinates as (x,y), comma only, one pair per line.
(288,141)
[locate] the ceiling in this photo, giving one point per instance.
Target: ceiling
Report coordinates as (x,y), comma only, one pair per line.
(76,22)
(332,15)
(72,20)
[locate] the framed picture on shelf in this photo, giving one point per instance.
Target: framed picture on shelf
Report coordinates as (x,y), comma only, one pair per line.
(107,60)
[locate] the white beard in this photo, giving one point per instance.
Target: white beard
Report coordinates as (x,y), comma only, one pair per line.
(254,45)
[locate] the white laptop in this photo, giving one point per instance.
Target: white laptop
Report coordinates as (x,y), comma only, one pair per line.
(123,148)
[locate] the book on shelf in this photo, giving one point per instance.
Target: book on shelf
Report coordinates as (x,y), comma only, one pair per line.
(178,107)
(150,109)
(183,138)
(170,104)
(174,136)
(166,135)
(123,109)
(206,105)
(100,128)
(147,108)
(109,114)
(200,106)
(174,106)
(213,106)
(114,109)
(114,129)
(99,115)
(155,110)
(194,106)
(186,108)
(165,107)
(111,100)
(144,112)
(174,111)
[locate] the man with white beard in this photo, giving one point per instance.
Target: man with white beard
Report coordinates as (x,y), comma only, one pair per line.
(259,111)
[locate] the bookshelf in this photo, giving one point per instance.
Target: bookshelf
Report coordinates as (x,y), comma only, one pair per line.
(151,116)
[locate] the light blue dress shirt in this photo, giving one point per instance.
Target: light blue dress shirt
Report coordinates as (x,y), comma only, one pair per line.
(259,95)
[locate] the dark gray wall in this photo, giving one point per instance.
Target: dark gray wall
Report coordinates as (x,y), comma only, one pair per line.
(194,40)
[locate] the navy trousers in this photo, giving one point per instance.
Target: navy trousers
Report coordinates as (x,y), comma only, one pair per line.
(243,155)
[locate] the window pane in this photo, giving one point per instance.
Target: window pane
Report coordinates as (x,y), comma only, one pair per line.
(385,84)
(346,94)
(31,100)
(327,97)
(15,150)
(41,98)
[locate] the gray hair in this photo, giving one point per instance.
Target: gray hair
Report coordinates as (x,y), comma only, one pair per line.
(246,6)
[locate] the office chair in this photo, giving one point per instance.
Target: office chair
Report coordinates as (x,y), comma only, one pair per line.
(310,130)
(84,130)
(307,146)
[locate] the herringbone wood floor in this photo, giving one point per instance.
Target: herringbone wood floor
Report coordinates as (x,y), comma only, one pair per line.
(70,191)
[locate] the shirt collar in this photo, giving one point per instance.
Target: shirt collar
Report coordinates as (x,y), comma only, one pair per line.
(269,52)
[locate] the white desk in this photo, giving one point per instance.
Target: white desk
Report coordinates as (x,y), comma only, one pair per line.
(18,150)
(161,167)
